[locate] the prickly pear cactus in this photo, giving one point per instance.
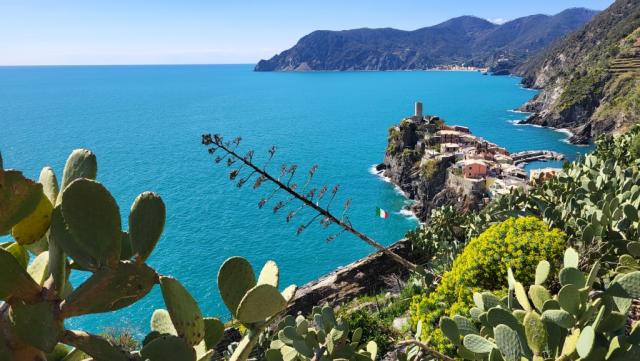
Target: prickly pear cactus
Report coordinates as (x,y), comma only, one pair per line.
(319,337)
(585,320)
(254,302)
(77,226)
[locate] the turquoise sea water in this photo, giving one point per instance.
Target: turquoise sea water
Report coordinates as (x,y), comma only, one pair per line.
(145,122)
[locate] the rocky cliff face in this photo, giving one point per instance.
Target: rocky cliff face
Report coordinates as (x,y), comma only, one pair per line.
(464,40)
(423,180)
(590,80)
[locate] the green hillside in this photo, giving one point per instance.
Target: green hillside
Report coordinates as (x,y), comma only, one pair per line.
(590,79)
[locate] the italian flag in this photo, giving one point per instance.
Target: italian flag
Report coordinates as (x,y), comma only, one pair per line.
(381,213)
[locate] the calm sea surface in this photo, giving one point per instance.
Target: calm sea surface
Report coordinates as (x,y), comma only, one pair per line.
(144,123)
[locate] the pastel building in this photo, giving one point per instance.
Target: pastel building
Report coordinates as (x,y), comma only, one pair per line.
(473,168)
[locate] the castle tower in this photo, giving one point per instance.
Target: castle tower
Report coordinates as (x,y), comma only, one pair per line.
(418,113)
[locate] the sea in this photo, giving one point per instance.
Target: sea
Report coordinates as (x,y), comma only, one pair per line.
(145,124)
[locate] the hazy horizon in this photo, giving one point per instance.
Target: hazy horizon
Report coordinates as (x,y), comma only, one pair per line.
(197,32)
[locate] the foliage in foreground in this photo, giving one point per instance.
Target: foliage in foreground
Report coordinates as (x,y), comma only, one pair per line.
(586,319)
(76,227)
(322,333)
(595,201)
(516,243)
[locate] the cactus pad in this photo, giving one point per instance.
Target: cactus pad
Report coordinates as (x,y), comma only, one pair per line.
(269,274)
(499,316)
(569,299)
(572,276)
(508,342)
(542,272)
(19,196)
(634,248)
(19,253)
(559,317)
(81,163)
(110,289)
(478,344)
(168,348)
(183,309)
(372,349)
(146,222)
(570,342)
(161,323)
(33,227)
(57,258)
(627,286)
(289,292)
(585,342)
(49,184)
(25,319)
(14,280)
(535,331)
(450,329)
(235,278)
(260,303)
(93,218)
(571,258)
(521,296)
(593,274)
(465,326)
(39,268)
(97,347)
(539,295)
(213,332)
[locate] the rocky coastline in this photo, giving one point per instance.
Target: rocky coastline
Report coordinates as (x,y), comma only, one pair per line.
(436,164)
(580,132)
(588,81)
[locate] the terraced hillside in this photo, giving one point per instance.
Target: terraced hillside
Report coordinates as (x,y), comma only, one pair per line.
(590,79)
(627,62)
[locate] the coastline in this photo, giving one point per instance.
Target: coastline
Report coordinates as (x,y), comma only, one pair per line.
(406,210)
(443,69)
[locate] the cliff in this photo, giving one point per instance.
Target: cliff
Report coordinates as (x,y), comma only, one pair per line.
(465,40)
(590,80)
(412,162)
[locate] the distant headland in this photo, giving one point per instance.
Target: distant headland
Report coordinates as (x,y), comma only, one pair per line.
(464,41)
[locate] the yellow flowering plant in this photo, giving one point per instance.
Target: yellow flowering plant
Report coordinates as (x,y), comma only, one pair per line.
(516,243)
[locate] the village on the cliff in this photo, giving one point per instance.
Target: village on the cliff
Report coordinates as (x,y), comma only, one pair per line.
(478,167)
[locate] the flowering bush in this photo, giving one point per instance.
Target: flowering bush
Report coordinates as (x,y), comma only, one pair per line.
(517,243)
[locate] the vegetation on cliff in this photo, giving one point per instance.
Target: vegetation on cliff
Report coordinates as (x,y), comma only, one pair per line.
(591,78)
(518,244)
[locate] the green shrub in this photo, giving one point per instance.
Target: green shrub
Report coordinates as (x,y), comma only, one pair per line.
(393,139)
(429,169)
(580,320)
(517,243)
(122,338)
(443,237)
(373,328)
(408,153)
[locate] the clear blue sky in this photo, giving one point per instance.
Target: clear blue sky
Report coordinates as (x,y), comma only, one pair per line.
(215,31)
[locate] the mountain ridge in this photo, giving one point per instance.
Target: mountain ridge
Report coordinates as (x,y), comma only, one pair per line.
(464,40)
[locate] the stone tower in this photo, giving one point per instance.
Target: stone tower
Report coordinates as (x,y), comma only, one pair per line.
(418,113)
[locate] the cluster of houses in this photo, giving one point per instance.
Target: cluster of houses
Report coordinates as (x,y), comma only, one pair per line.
(479,165)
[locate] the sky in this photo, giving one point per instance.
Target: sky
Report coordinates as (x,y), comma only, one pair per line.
(66,32)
